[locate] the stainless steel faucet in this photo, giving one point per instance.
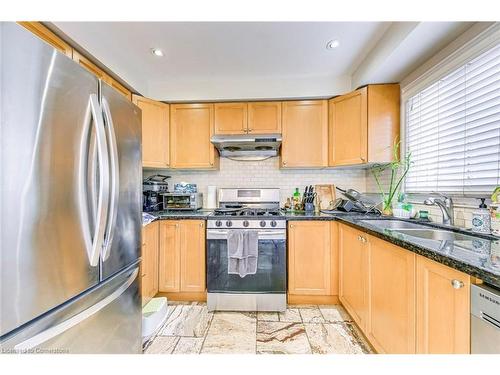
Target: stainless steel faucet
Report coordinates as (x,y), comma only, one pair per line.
(446,205)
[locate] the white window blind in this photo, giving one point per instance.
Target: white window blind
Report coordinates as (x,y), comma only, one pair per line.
(453,130)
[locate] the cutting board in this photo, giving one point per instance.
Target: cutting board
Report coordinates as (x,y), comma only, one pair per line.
(326,195)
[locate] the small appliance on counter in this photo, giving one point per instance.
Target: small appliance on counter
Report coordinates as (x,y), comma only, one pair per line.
(182,201)
(152,188)
(184,187)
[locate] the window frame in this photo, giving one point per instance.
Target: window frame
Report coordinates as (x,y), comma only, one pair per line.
(454,60)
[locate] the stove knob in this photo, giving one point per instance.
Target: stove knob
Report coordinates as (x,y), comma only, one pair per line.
(229,223)
(218,223)
(262,223)
(245,223)
(273,223)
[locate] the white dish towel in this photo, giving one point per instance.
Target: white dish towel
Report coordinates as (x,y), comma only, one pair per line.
(242,252)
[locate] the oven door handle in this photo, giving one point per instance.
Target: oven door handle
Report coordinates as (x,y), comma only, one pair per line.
(215,234)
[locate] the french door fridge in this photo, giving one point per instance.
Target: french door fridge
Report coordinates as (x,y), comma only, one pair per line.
(70,205)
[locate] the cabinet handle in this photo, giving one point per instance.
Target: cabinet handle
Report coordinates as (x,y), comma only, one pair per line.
(211,163)
(201,225)
(291,225)
(359,238)
(457,284)
(363,159)
(284,163)
(249,130)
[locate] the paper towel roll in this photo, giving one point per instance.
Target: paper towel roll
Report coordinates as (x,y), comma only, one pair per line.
(212,196)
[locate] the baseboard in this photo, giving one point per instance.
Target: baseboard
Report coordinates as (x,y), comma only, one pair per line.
(184,296)
(294,299)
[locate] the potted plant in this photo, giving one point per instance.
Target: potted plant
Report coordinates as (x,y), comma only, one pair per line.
(399,169)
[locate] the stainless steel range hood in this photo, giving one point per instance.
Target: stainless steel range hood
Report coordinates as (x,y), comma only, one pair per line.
(247,147)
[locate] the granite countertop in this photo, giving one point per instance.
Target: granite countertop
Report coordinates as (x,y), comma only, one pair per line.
(479,257)
(182,214)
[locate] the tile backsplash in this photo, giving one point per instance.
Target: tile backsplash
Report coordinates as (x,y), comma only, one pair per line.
(264,173)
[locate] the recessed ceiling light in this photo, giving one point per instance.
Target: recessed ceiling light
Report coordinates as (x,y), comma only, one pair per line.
(332,44)
(157,52)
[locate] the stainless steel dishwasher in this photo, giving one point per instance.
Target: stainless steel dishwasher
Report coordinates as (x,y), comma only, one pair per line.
(485,320)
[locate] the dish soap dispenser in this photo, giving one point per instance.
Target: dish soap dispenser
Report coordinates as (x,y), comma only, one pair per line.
(481,220)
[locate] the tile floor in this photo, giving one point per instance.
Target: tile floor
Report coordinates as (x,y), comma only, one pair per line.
(311,329)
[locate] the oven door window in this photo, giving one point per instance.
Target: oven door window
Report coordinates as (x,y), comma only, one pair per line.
(271,269)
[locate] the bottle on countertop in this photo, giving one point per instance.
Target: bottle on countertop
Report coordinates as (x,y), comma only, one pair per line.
(296,198)
(481,220)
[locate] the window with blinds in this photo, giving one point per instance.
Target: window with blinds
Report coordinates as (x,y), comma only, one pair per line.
(453,130)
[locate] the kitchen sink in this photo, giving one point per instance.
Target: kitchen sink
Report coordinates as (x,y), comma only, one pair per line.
(419,230)
(435,234)
(393,224)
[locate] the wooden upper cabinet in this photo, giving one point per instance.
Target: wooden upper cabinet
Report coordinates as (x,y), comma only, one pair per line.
(191,127)
(363,125)
(230,118)
(348,129)
(353,273)
(391,322)
(264,117)
(443,312)
(155,132)
(169,262)
(305,134)
(192,248)
(119,87)
(383,121)
(48,36)
(309,251)
(89,65)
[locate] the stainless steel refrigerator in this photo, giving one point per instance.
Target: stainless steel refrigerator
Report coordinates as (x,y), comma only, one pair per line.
(70,214)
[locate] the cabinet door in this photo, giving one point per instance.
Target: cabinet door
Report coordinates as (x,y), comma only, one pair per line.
(155,132)
(169,264)
(230,118)
(264,117)
(309,258)
(191,126)
(48,36)
(305,134)
(443,312)
(391,323)
(383,121)
(153,250)
(348,129)
(353,271)
(192,238)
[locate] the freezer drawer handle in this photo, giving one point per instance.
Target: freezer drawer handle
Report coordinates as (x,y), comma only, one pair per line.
(73,321)
(115,188)
(94,242)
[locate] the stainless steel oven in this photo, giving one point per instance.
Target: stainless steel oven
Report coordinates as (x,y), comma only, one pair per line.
(263,291)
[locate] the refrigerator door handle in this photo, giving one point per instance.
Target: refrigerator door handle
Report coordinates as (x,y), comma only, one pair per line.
(60,328)
(115,179)
(95,241)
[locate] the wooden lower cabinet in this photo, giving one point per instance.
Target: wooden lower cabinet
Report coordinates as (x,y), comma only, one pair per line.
(443,312)
(193,264)
(391,297)
(353,274)
(149,264)
(182,256)
(309,258)
(403,302)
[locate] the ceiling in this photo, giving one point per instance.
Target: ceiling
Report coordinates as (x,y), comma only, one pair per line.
(251,60)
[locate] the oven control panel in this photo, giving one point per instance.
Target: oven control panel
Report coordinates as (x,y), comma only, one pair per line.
(246,224)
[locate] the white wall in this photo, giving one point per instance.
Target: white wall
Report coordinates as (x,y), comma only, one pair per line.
(264,174)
